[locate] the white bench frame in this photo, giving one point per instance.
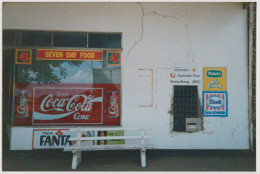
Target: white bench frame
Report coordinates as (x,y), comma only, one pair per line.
(77,148)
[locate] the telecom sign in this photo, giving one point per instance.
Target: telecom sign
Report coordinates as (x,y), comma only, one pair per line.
(113,57)
(215,104)
(23,56)
(214,79)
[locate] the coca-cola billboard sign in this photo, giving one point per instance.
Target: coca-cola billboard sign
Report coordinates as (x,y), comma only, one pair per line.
(61,105)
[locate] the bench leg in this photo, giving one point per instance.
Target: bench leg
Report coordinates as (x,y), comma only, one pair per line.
(79,157)
(143,157)
(76,159)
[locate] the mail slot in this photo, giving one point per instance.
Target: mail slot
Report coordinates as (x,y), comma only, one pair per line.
(193,124)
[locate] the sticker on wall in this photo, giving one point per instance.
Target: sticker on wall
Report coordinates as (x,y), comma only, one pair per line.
(23,56)
(185,74)
(115,133)
(113,57)
(110,133)
(215,104)
(214,79)
(57,138)
(102,134)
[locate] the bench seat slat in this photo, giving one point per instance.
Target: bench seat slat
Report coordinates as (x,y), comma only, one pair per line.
(106,147)
(107,138)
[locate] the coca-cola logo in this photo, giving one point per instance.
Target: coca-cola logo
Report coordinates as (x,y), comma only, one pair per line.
(79,116)
(60,103)
(112,109)
(72,104)
(113,104)
(22,105)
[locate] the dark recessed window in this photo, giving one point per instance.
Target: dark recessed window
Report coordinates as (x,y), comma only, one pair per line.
(107,40)
(61,39)
(33,38)
(8,38)
(69,39)
(185,106)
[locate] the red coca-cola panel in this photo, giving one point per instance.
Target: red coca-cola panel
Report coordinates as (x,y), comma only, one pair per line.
(66,104)
(112,105)
(21,107)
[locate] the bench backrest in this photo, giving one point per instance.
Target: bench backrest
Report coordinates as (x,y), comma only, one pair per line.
(79,137)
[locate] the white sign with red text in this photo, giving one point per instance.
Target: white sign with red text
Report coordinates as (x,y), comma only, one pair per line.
(185,74)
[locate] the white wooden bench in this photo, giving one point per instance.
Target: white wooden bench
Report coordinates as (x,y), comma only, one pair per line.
(78,147)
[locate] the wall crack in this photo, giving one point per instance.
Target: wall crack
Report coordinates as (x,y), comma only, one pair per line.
(165,16)
(142,26)
(142,31)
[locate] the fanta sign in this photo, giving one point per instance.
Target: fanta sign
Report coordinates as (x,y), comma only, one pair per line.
(215,104)
(56,138)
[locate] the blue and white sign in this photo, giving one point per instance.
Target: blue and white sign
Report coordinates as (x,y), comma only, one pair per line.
(215,104)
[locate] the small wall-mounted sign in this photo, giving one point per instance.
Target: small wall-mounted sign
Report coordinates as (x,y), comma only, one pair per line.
(214,79)
(110,133)
(185,74)
(215,103)
(23,56)
(113,57)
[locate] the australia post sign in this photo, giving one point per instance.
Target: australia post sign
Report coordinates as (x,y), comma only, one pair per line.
(67,105)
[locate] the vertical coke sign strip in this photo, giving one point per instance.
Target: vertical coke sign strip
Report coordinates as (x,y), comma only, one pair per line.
(21,103)
(67,106)
(112,104)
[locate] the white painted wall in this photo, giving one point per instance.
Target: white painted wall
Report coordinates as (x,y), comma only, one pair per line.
(155,37)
